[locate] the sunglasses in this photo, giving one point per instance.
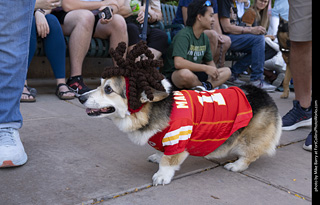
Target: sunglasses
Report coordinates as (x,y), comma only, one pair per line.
(207,3)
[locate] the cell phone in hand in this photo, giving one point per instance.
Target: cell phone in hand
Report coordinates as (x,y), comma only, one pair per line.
(106,13)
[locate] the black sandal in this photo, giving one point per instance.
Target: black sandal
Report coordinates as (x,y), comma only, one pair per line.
(60,94)
(32,93)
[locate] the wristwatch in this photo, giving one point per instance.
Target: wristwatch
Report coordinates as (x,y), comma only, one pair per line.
(42,11)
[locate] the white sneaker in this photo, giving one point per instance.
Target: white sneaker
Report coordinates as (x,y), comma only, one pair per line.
(11,149)
(263,85)
(235,81)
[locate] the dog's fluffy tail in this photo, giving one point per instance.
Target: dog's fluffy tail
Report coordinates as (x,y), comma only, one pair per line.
(258,98)
(261,101)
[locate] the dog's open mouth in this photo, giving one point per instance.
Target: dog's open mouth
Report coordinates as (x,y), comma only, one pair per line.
(97,112)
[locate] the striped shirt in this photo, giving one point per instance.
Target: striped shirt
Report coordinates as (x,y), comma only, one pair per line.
(202,121)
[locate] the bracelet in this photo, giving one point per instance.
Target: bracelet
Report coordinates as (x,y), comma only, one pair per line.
(41,11)
(242,32)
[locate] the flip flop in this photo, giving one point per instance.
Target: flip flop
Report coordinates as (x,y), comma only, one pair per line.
(32,93)
(60,94)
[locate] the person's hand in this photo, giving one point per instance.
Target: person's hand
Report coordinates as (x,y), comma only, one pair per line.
(220,39)
(271,37)
(41,24)
(140,17)
(258,30)
(47,4)
(211,71)
(105,21)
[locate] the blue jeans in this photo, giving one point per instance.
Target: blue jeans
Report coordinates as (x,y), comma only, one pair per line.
(15,29)
(54,46)
(254,46)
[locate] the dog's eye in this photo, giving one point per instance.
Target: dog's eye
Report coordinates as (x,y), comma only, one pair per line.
(108,89)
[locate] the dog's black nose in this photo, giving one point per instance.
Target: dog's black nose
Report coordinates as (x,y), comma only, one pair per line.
(83,99)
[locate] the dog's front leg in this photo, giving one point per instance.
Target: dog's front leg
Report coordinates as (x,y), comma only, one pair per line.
(167,166)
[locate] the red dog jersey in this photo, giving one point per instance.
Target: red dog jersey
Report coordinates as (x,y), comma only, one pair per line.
(202,121)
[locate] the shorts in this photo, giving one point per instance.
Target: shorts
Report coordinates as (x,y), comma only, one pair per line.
(202,76)
(300,20)
(156,38)
(62,14)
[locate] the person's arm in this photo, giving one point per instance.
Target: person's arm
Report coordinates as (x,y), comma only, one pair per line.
(184,14)
(155,15)
(69,5)
(209,68)
(155,11)
(216,25)
(233,29)
(181,63)
(42,26)
(47,4)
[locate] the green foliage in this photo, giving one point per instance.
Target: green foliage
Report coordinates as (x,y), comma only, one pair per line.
(175,3)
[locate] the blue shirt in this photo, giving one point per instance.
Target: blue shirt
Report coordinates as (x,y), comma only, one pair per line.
(281,7)
(185,3)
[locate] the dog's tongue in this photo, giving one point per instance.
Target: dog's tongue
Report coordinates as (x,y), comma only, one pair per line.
(90,110)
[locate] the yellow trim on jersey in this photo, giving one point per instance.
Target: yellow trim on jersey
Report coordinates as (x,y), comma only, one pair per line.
(214,123)
(173,137)
(211,140)
(243,113)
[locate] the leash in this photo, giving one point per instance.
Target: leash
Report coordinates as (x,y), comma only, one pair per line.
(220,57)
(143,34)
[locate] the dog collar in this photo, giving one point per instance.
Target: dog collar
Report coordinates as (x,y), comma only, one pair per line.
(128,97)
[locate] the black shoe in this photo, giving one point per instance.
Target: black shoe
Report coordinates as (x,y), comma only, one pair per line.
(207,85)
(296,117)
(77,85)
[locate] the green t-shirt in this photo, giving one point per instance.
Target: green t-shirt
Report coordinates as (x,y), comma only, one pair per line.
(187,46)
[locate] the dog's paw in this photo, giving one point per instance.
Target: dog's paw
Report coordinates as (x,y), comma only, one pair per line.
(163,176)
(284,96)
(235,166)
(155,158)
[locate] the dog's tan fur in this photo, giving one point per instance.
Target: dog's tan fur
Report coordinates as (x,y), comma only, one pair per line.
(260,137)
(283,39)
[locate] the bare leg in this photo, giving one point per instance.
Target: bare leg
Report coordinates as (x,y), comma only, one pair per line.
(79,25)
(115,31)
(301,69)
(213,39)
(157,54)
(225,46)
(216,43)
(64,88)
(184,78)
(224,75)
(25,90)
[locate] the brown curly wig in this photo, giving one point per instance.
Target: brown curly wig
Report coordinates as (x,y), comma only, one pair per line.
(140,76)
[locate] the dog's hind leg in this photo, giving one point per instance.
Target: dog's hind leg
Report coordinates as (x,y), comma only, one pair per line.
(224,150)
(285,84)
(251,146)
(240,165)
(167,167)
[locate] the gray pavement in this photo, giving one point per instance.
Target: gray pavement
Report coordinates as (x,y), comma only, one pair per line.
(75,159)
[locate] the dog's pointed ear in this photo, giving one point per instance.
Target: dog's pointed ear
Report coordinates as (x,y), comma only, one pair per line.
(157,96)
